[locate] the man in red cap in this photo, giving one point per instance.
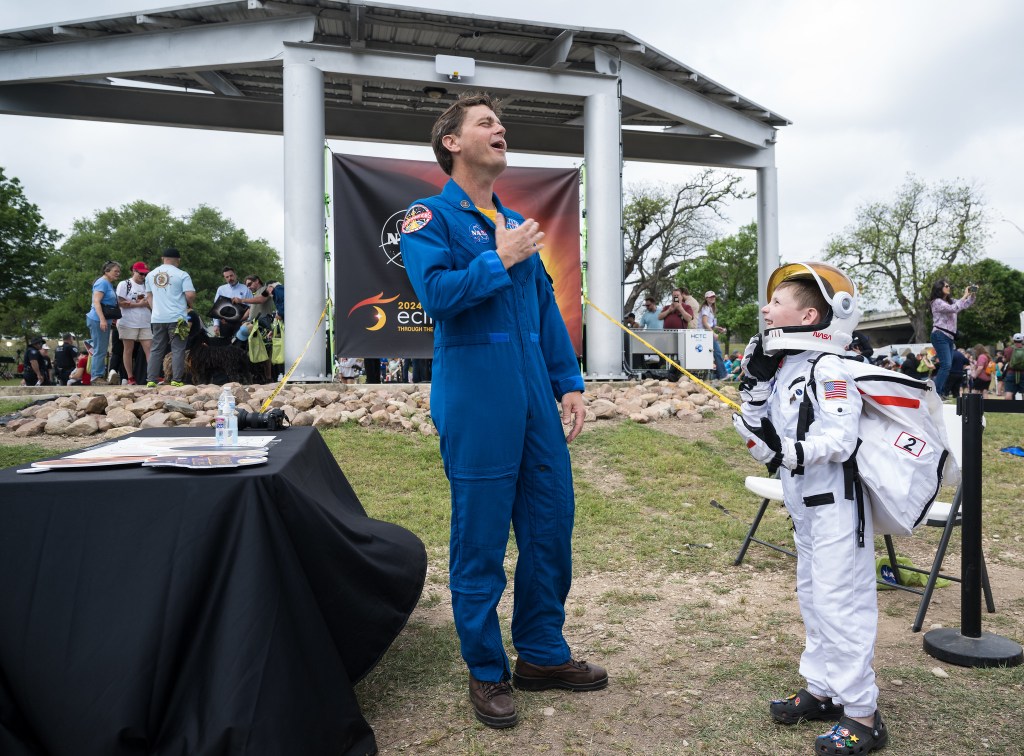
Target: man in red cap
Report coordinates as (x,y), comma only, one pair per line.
(134,324)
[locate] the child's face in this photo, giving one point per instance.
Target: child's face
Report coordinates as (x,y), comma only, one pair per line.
(783,310)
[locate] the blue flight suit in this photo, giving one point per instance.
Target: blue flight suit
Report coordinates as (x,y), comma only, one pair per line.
(502,356)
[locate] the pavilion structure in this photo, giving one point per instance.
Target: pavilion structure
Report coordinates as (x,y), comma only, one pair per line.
(316,69)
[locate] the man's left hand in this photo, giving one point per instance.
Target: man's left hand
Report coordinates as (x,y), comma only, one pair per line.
(574,412)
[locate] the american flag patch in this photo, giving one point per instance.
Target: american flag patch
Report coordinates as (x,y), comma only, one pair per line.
(835,389)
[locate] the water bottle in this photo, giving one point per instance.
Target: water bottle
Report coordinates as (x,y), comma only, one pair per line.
(221,421)
(232,435)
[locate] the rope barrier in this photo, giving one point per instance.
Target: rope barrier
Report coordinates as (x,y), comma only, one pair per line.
(284,380)
(665,357)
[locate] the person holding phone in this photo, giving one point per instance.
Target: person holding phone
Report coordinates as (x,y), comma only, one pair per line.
(944,311)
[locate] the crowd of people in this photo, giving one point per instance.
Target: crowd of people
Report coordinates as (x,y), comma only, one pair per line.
(134,323)
(971,369)
(684,311)
(382,369)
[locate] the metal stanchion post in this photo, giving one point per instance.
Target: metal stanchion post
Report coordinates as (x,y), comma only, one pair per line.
(970,646)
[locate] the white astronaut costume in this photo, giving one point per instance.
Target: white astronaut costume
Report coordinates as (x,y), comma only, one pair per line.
(835,577)
(835,573)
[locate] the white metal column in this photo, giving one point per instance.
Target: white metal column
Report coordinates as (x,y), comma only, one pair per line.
(304,215)
(602,150)
(767,228)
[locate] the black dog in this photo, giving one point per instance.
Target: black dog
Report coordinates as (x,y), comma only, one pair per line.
(215,360)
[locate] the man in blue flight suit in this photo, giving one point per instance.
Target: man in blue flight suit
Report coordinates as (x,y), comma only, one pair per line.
(502,356)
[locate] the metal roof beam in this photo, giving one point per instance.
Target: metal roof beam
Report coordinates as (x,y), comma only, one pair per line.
(419,70)
(261,116)
(248,44)
(217,83)
(652,92)
(76,32)
(162,22)
(555,53)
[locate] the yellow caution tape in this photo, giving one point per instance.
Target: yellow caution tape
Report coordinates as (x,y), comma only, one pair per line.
(664,356)
(284,380)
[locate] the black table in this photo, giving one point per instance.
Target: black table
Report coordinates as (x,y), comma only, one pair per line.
(155,611)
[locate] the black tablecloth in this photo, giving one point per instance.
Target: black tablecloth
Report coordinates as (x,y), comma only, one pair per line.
(149,611)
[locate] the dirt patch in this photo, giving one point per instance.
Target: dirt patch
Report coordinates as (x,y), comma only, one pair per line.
(693,660)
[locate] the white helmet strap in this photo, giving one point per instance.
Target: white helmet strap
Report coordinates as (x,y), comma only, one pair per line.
(841,302)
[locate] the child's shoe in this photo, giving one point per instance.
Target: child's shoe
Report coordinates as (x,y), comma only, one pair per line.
(803,706)
(849,736)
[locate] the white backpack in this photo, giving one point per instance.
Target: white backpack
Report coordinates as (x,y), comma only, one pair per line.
(903,457)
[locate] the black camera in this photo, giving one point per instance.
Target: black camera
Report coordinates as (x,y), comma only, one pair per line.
(273,420)
(972,288)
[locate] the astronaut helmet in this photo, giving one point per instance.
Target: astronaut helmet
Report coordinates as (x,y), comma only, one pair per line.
(835,330)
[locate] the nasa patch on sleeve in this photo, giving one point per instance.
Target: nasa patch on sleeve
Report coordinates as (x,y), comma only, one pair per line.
(416,218)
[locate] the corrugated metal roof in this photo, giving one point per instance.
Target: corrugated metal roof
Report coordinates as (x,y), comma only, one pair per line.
(393,28)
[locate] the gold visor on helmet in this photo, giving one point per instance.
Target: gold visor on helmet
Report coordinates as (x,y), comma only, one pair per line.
(828,277)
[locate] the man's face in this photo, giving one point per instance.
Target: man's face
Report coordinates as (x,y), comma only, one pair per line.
(783,310)
(481,141)
(253,285)
(650,305)
(230,278)
(677,297)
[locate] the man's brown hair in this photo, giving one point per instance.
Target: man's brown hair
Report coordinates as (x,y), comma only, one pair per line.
(807,294)
(450,122)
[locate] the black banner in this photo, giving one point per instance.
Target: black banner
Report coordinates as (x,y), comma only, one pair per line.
(377,313)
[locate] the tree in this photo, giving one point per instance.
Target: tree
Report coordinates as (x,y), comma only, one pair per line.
(141,231)
(664,226)
(26,244)
(730,270)
(995,315)
(896,250)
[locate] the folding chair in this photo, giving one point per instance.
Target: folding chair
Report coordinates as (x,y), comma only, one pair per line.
(771,490)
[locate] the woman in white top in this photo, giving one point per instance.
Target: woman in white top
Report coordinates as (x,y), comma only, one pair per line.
(134,324)
(709,322)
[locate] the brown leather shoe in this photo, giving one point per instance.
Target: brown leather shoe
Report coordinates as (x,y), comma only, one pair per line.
(493,703)
(573,675)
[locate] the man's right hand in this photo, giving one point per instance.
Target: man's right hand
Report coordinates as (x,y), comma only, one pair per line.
(516,244)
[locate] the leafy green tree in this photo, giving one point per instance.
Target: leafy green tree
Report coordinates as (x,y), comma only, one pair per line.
(141,231)
(665,225)
(895,250)
(26,244)
(730,270)
(995,315)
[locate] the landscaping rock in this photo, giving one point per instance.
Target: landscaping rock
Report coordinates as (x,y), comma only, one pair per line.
(58,421)
(83,426)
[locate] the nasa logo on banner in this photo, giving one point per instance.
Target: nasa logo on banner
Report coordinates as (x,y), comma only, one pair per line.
(391,239)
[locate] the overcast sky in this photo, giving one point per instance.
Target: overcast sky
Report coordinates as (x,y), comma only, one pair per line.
(875,89)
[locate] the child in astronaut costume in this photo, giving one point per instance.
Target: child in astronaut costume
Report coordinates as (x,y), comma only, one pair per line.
(811,312)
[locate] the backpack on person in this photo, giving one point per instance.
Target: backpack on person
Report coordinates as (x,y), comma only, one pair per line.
(903,455)
(1016,362)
